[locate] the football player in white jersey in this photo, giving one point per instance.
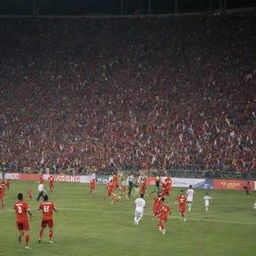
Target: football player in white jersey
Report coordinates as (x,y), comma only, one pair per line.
(190,195)
(207,199)
(140,204)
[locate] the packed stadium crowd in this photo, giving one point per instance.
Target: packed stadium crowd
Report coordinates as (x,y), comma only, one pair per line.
(150,92)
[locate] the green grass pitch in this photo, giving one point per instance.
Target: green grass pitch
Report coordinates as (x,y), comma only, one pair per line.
(89,226)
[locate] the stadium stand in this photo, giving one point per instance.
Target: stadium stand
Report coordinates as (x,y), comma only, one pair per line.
(173,92)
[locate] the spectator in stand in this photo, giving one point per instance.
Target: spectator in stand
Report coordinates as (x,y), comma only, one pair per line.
(196,106)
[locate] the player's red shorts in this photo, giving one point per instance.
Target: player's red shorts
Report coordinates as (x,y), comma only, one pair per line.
(163,218)
(168,192)
(164,192)
(161,221)
(24,225)
(48,223)
(93,186)
(155,210)
(182,209)
(116,185)
(110,192)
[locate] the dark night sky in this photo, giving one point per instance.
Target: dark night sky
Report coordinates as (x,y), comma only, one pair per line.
(81,7)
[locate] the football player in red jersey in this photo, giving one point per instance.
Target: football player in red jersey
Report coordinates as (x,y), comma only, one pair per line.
(2,189)
(110,190)
(22,209)
(47,220)
(143,187)
(162,216)
(157,205)
(51,183)
(92,185)
(182,199)
(115,181)
(29,193)
(123,185)
(167,187)
(41,179)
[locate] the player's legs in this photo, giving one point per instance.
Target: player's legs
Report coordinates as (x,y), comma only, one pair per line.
(115,198)
(139,216)
(182,214)
(20,230)
(2,201)
(160,224)
(26,233)
(50,235)
(189,205)
(130,189)
(92,190)
(135,218)
(154,213)
(43,226)
(206,207)
(50,225)
(40,195)
(27,238)
(107,195)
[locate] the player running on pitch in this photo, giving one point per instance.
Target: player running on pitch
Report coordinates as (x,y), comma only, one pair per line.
(162,216)
(140,204)
(51,183)
(47,209)
(182,199)
(207,199)
(22,208)
(190,195)
(2,192)
(157,205)
(92,185)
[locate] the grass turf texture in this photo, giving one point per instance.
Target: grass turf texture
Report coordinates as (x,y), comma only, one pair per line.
(88,226)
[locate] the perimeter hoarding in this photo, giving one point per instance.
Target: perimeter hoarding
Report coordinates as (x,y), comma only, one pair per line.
(233,184)
(151,181)
(184,182)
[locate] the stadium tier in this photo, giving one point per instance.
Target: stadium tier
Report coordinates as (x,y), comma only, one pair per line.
(146,92)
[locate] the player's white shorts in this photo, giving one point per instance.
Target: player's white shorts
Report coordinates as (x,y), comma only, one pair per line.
(206,204)
(190,199)
(139,212)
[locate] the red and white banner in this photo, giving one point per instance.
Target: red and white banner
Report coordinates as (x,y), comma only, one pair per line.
(182,182)
(64,178)
(26,176)
(12,176)
(232,184)
(151,181)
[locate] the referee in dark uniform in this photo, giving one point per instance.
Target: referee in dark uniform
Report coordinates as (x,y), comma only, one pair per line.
(130,184)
